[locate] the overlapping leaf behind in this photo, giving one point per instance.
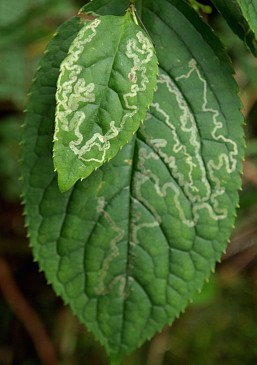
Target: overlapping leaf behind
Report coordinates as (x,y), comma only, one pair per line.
(241,15)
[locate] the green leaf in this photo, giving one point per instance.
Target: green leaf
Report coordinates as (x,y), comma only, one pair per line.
(128,247)
(36,152)
(241,16)
(105,87)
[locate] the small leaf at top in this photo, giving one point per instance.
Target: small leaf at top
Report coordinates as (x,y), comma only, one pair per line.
(104,89)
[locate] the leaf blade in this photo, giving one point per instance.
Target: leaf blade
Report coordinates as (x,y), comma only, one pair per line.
(241,17)
(36,151)
(126,248)
(105,86)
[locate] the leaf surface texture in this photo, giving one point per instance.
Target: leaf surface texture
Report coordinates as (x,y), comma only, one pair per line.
(105,87)
(128,247)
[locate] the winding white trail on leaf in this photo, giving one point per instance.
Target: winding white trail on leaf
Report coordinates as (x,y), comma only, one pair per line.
(134,48)
(119,234)
(72,92)
(195,183)
(75,91)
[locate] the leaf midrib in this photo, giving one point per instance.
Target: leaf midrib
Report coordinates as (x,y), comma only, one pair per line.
(128,268)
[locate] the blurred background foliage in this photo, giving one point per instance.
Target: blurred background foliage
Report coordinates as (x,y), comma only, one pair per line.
(220,326)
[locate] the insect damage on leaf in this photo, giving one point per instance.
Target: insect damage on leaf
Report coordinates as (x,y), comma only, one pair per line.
(202,180)
(129,246)
(105,86)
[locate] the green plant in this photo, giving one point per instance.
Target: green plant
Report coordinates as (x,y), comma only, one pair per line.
(130,245)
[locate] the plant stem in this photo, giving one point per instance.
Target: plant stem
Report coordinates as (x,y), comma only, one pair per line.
(27,315)
(198,6)
(158,348)
(133,12)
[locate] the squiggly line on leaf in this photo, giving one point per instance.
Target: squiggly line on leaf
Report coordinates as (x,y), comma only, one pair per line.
(138,71)
(187,153)
(119,234)
(74,91)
